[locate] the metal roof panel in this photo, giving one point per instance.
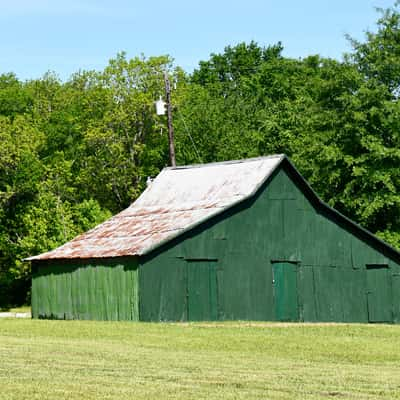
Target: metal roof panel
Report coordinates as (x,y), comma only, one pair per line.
(178,199)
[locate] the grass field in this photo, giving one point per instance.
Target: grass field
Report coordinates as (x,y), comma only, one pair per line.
(107,360)
(22,309)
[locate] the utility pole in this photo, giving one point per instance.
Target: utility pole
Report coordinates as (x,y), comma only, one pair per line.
(169,120)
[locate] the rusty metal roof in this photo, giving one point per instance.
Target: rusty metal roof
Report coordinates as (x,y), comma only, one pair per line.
(178,199)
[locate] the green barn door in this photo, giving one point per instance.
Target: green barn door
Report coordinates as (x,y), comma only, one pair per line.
(379,293)
(202,290)
(285,291)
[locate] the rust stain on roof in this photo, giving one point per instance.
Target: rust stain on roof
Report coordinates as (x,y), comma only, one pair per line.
(178,199)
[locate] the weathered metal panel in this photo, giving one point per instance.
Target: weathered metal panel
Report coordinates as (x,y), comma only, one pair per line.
(176,200)
(396,297)
(363,254)
(353,295)
(292,230)
(245,287)
(107,291)
(327,281)
(202,290)
(379,294)
(163,288)
(306,294)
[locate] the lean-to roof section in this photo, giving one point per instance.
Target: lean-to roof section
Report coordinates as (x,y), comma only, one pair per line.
(178,199)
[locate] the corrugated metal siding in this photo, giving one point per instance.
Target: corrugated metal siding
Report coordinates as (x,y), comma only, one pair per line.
(107,291)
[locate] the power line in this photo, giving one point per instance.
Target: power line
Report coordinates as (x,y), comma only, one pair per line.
(190,136)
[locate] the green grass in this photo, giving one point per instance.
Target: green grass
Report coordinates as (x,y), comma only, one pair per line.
(108,360)
(21,309)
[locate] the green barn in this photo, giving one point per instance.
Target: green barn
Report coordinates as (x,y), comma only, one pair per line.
(239,240)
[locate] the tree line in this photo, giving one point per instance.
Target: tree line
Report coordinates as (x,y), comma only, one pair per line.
(73,153)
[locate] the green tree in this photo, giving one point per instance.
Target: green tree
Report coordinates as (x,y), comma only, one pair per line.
(377,58)
(124,145)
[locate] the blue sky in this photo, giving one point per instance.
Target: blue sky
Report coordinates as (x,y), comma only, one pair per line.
(65,36)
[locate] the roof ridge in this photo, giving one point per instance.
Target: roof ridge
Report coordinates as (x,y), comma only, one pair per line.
(227,162)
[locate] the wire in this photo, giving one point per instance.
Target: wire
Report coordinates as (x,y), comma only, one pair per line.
(190,136)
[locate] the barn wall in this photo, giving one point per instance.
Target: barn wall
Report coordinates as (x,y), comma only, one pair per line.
(106,290)
(164,289)
(279,225)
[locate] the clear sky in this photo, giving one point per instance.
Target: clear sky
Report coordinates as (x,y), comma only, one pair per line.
(65,36)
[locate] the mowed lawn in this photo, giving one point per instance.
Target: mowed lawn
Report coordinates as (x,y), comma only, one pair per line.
(109,360)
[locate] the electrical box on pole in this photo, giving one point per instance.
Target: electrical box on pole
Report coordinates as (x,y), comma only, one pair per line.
(160,106)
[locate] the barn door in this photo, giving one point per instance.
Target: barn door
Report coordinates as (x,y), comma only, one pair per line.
(285,291)
(379,293)
(202,290)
